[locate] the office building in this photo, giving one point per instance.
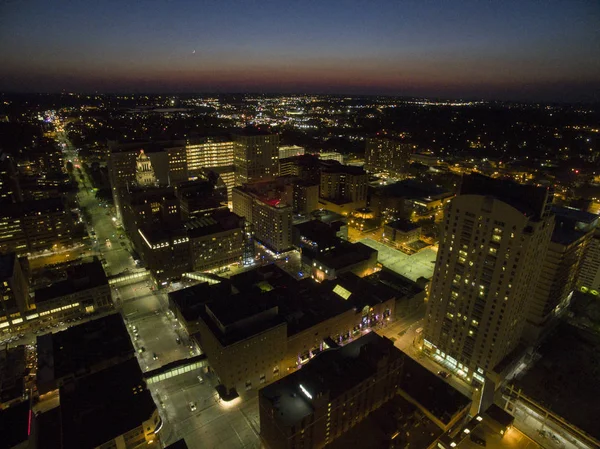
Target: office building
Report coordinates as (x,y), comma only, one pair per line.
(84,291)
(286,151)
(13,373)
(270,217)
(388,154)
(216,240)
(306,167)
(304,196)
(166,251)
(256,155)
(589,275)
(81,350)
(401,231)
(10,190)
(14,288)
(331,156)
(201,196)
(494,235)
(331,394)
(33,226)
(211,153)
(572,234)
(345,186)
(341,258)
(263,324)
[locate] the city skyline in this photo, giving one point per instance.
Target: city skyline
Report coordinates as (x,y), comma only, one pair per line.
(509,51)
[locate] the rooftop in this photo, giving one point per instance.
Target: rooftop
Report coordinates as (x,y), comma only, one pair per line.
(414,190)
(403,225)
(345,254)
(79,277)
(217,222)
(12,373)
(430,391)
(14,425)
(79,349)
(528,199)
(565,377)
(7,265)
(332,373)
(104,405)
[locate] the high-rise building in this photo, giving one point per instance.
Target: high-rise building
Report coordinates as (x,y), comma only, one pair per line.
(494,235)
(256,155)
(270,217)
(345,184)
(387,154)
(572,233)
(211,153)
(286,151)
(14,289)
(589,275)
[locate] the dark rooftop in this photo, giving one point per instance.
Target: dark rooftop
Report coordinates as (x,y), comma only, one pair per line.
(528,199)
(347,169)
(12,373)
(565,377)
(431,391)
(179,444)
(80,348)
(333,371)
(217,222)
(104,405)
(79,277)
(190,301)
(363,291)
(47,427)
(345,254)
(14,425)
(7,265)
(403,225)
(413,190)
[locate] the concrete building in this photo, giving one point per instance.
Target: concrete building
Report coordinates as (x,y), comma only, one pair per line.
(84,291)
(344,183)
(33,226)
(166,251)
(388,154)
(589,275)
(306,167)
(286,151)
(332,156)
(304,196)
(256,155)
(211,154)
(330,395)
(263,324)
(216,240)
(13,372)
(270,217)
(494,235)
(401,231)
(572,234)
(342,258)
(14,288)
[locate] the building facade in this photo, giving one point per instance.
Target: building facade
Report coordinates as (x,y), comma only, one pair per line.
(589,276)
(256,156)
(385,154)
(494,235)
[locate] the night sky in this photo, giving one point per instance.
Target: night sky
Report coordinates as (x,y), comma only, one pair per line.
(504,49)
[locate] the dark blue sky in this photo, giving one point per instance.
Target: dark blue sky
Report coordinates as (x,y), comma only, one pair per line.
(528,49)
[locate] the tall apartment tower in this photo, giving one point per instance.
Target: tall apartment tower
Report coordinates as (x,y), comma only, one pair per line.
(256,156)
(494,235)
(211,154)
(387,154)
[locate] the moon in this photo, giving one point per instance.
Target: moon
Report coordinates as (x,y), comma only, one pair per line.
(193,52)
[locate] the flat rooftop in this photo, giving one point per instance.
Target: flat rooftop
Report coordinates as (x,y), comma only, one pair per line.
(403,225)
(345,254)
(429,390)
(80,348)
(12,373)
(396,417)
(104,405)
(14,423)
(332,372)
(528,199)
(80,277)
(566,377)
(413,267)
